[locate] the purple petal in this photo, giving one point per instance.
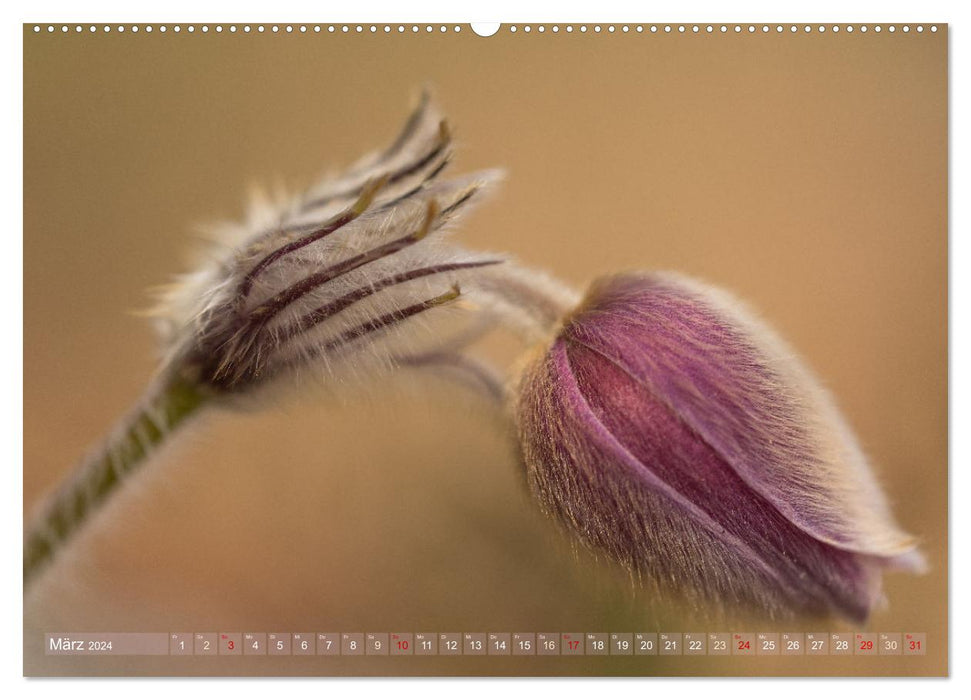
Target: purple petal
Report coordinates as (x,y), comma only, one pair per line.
(674,432)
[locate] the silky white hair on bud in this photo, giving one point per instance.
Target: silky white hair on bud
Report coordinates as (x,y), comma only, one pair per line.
(346,280)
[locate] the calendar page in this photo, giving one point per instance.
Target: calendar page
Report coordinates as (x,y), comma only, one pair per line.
(485,350)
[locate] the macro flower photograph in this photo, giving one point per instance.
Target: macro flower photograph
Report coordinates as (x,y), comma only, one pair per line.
(577,332)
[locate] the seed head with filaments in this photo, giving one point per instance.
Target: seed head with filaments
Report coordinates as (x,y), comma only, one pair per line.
(337,277)
(348,280)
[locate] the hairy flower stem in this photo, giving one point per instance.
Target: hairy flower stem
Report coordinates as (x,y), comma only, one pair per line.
(173,398)
(167,405)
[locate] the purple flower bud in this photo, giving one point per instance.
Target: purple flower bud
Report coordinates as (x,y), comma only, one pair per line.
(669,428)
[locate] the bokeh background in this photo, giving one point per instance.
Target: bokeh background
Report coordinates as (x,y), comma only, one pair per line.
(805,172)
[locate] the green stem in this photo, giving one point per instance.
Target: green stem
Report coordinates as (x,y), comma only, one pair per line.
(166,406)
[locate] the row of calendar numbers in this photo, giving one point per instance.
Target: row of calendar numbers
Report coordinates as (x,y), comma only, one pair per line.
(548,644)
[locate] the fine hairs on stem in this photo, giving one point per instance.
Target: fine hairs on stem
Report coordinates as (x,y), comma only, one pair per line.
(166,405)
(349,280)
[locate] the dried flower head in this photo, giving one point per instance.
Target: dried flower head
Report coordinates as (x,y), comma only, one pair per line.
(333,274)
(669,428)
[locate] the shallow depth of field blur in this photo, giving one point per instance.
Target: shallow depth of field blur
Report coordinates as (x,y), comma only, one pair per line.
(806,173)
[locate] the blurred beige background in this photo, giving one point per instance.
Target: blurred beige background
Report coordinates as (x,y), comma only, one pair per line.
(807,173)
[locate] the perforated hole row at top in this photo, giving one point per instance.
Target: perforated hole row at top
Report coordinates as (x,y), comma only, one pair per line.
(250,28)
(718,28)
(512,29)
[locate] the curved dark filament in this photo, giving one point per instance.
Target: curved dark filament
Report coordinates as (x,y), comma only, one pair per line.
(460,201)
(322,313)
(345,217)
(432,174)
(441,144)
(289,295)
(407,131)
(385,321)
(390,204)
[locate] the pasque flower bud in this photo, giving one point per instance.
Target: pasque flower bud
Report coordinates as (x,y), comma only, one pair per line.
(325,284)
(669,428)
